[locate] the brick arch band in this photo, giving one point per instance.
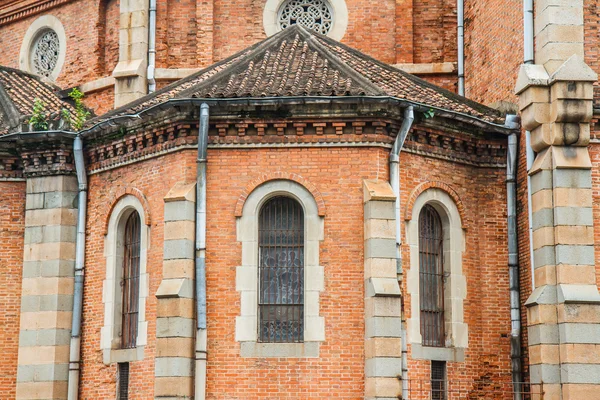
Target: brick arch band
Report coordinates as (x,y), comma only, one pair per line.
(138,194)
(280,175)
(434,185)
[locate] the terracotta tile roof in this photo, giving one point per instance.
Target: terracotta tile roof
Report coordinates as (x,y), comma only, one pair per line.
(18,91)
(297,62)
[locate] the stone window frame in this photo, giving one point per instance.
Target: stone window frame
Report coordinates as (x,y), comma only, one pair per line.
(38,27)
(338,28)
(455,289)
(110,341)
(246,329)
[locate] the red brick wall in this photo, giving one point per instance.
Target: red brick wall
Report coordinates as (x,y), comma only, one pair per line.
(12,228)
(108,36)
(434,31)
(485,266)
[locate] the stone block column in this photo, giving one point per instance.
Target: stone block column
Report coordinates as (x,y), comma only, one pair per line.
(175,324)
(383,346)
(47,288)
(131,71)
(563,313)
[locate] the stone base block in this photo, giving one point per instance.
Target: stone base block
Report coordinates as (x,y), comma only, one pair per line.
(382,387)
(174,387)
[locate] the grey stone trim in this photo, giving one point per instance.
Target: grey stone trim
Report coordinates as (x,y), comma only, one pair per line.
(543,334)
(55,302)
(175,327)
(452,354)
(580,373)
(582,216)
(44,337)
(384,367)
(543,218)
(288,350)
(57,183)
(380,248)
(573,178)
(383,327)
(579,333)
(173,366)
(111,356)
(542,295)
(541,180)
(547,373)
(180,211)
(50,234)
(49,268)
(42,373)
(575,255)
(379,210)
(178,249)
(578,294)
(544,256)
(60,200)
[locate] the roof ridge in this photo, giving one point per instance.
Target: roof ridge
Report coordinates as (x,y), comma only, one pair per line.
(256,49)
(309,36)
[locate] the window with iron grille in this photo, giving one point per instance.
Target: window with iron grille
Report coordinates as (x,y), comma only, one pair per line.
(130,282)
(123,382)
(281,271)
(438,380)
(431,277)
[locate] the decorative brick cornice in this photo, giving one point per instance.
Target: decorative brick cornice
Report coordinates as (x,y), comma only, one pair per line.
(11,168)
(45,162)
(120,193)
(271,176)
(19,9)
(410,203)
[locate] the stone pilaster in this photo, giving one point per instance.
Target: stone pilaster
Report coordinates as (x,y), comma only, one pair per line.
(175,324)
(383,346)
(47,288)
(564,309)
(131,71)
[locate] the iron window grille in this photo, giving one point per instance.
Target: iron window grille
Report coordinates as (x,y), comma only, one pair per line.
(123,379)
(131,281)
(431,277)
(438,380)
(281,271)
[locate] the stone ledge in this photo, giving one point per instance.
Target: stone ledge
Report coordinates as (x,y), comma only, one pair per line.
(428,68)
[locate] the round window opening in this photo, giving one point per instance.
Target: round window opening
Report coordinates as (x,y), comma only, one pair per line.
(45,52)
(316,15)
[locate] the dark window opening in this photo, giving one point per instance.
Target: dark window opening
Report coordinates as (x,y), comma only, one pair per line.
(281,271)
(431,277)
(123,381)
(131,281)
(438,380)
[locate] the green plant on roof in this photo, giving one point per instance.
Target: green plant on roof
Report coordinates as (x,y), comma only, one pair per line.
(81,114)
(429,113)
(39,118)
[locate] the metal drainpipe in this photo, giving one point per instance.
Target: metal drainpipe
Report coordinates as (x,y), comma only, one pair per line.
(201,340)
(151,46)
(75,350)
(512,158)
(460,10)
(529,57)
(409,117)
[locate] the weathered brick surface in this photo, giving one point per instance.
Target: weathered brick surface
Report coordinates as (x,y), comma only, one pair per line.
(12,228)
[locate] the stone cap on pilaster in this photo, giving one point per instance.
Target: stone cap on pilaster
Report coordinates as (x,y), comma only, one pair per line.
(531,75)
(182,192)
(574,69)
(377,190)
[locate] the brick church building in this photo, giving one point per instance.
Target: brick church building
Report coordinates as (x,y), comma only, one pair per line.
(299,199)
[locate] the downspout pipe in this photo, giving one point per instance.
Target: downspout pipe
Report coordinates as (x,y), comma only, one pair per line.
(460,11)
(409,117)
(201,339)
(529,58)
(151,47)
(75,350)
(513,260)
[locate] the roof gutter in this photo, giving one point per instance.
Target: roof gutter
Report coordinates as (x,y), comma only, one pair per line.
(320,100)
(409,117)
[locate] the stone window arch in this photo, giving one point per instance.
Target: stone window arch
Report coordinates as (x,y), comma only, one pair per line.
(328,17)
(44,47)
(247,275)
(125,250)
(452,243)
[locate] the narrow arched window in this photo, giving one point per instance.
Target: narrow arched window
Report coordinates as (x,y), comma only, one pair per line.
(431,277)
(281,271)
(130,281)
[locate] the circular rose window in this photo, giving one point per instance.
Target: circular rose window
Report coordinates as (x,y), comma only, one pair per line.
(316,15)
(45,52)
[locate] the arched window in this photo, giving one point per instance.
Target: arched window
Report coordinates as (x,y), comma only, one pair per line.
(431,277)
(130,281)
(281,271)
